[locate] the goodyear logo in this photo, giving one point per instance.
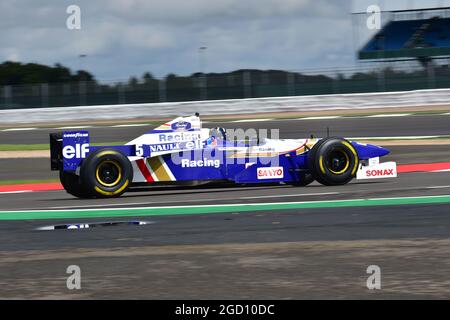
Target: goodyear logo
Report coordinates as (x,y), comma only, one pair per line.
(76,135)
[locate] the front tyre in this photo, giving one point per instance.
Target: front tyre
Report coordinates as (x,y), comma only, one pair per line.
(333,162)
(106,173)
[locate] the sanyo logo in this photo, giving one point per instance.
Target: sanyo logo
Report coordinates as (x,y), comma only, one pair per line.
(78,151)
(270,173)
(186,163)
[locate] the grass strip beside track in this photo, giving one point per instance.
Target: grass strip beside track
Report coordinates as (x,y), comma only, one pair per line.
(46,146)
(210,209)
(15,182)
(24,147)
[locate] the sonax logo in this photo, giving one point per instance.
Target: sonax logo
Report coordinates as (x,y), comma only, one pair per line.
(77,151)
(380,173)
(270,173)
(381,170)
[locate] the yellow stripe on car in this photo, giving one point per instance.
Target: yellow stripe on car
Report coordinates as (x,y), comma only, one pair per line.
(158,168)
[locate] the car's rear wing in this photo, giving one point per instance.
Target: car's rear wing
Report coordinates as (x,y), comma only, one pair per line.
(69,148)
(56,161)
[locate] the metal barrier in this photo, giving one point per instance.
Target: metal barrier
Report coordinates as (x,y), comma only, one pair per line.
(227,107)
(239,84)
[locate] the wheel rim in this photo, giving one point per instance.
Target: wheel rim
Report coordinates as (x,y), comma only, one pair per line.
(338,161)
(108,173)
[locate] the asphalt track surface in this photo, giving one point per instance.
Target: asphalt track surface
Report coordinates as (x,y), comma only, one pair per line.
(281,254)
(415,125)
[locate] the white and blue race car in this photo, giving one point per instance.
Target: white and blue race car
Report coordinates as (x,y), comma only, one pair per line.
(181,150)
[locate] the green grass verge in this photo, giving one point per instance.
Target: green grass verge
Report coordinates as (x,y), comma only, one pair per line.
(214,209)
(45,146)
(23,147)
(10,182)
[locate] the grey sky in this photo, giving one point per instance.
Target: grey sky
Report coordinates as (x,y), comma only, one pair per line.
(128,37)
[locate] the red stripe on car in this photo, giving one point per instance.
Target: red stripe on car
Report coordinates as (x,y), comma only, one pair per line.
(144,170)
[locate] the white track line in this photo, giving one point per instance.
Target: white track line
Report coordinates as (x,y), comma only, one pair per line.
(73,127)
(19,129)
(21,191)
(192,200)
(387,115)
(319,118)
(251,120)
(292,195)
(130,125)
(438,187)
(398,137)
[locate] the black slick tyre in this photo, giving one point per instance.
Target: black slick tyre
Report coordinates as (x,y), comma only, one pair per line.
(106,173)
(72,184)
(333,161)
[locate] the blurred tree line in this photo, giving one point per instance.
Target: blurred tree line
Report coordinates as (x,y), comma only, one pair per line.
(37,85)
(16,73)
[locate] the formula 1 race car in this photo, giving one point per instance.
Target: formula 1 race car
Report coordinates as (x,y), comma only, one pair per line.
(181,150)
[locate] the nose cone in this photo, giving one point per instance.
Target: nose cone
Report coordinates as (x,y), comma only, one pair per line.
(366,151)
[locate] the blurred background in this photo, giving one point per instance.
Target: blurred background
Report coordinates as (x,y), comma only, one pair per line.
(127,52)
(372,71)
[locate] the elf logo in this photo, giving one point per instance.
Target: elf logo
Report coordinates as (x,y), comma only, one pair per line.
(78,151)
(380,173)
(270,173)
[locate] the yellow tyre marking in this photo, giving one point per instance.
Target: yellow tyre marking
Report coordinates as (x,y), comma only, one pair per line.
(322,168)
(105,153)
(97,175)
(355,167)
(353,150)
(346,165)
(112,193)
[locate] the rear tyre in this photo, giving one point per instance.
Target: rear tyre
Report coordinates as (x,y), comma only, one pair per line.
(72,184)
(106,173)
(333,161)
